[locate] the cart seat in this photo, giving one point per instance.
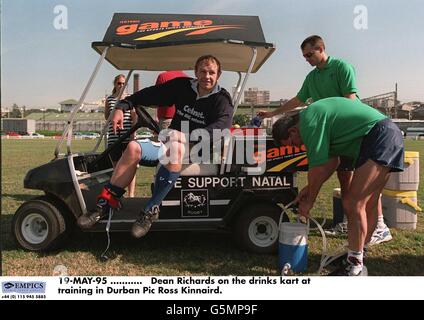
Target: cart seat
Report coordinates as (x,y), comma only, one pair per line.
(197,169)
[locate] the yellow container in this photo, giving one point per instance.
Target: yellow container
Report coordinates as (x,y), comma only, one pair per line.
(408,179)
(400,209)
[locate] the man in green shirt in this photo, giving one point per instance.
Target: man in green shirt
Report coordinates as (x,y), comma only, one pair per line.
(335,127)
(331,77)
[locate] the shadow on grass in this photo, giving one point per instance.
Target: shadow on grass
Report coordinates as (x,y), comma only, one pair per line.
(176,253)
(200,253)
(179,252)
(394,265)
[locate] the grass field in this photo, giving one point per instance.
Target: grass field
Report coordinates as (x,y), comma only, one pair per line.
(176,253)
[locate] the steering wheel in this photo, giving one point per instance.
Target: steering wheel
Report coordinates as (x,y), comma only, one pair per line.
(146,120)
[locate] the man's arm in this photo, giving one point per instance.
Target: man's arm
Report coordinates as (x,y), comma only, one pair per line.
(288,106)
(316,178)
(163,95)
(224,117)
(346,76)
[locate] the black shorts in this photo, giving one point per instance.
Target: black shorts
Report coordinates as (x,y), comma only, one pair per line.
(117,152)
(346,164)
(384,145)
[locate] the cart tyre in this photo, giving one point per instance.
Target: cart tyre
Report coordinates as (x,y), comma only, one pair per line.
(256,227)
(38,225)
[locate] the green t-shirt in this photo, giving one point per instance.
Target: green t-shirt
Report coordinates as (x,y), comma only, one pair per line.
(336,79)
(335,127)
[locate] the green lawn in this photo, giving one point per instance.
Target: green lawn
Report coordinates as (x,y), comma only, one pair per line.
(175,253)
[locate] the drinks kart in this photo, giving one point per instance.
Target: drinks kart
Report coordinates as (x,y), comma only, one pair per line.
(224,196)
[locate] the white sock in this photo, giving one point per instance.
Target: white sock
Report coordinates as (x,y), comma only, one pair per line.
(380,222)
(356,261)
(357,255)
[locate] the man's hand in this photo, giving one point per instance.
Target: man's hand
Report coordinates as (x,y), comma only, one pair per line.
(302,195)
(305,203)
(264,114)
(117,120)
(304,207)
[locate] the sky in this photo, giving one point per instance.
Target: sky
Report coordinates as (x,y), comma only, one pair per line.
(41,65)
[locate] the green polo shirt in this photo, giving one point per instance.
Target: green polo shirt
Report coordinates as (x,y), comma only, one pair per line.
(336,79)
(335,127)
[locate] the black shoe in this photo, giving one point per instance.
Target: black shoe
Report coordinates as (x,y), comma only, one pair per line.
(88,220)
(352,267)
(342,262)
(142,225)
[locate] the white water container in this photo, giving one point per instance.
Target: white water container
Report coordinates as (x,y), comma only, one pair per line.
(408,179)
(400,209)
(293,246)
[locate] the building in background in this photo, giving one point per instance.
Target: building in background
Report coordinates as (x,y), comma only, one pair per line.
(254,96)
(5,112)
(418,112)
(385,103)
(407,110)
(21,126)
(70,104)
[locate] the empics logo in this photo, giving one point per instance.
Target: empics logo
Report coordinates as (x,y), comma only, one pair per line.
(8,285)
(23,287)
(166,28)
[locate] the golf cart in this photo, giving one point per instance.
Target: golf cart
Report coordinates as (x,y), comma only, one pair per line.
(230,196)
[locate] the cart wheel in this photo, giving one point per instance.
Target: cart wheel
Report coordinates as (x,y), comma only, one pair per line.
(38,225)
(256,228)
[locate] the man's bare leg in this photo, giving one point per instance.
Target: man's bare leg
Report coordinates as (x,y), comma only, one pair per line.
(122,176)
(164,182)
(127,165)
(132,184)
(367,183)
(131,187)
(345,179)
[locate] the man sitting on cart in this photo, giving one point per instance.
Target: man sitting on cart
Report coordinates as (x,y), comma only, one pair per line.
(200,102)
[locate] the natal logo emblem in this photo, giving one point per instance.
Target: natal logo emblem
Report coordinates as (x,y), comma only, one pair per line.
(167,28)
(193,201)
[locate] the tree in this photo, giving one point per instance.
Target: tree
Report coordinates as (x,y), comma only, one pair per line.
(241,119)
(16,112)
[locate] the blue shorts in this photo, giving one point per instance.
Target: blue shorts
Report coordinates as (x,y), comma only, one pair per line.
(384,145)
(151,151)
